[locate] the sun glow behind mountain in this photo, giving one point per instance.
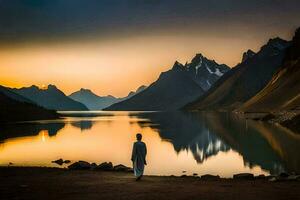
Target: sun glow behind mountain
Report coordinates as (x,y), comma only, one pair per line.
(118,51)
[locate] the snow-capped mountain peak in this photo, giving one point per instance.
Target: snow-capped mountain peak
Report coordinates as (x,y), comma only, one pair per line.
(205,71)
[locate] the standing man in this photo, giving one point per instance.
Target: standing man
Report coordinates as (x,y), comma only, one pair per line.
(138,157)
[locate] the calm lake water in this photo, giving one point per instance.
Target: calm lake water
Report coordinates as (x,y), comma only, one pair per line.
(203,143)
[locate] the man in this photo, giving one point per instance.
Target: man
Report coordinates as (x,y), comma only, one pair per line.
(138,157)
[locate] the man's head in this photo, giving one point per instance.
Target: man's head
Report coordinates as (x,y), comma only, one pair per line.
(139,137)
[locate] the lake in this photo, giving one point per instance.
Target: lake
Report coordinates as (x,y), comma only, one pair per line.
(202,143)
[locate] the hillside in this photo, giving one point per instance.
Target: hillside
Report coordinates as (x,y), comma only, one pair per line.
(50,98)
(172,90)
(245,80)
(283,91)
(14,110)
(176,87)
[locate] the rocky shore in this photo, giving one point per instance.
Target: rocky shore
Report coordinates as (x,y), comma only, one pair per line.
(63,183)
(289,119)
(108,166)
(293,124)
(84,165)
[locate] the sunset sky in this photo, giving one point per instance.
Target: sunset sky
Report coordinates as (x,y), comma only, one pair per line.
(114,46)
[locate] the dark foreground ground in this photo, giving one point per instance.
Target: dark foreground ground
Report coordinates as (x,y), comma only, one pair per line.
(46,183)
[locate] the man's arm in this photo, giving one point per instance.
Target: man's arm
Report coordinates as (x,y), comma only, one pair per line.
(133,155)
(145,162)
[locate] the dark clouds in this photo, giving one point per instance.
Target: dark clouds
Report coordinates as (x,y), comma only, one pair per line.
(29,20)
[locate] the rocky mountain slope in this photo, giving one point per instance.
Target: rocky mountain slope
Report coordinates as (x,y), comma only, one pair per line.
(283,91)
(176,87)
(245,80)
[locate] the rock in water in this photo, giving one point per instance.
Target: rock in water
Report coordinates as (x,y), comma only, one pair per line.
(94,166)
(283,175)
(122,168)
(80,165)
(261,176)
(210,177)
(243,176)
(59,161)
(293,178)
(273,179)
(130,170)
(106,166)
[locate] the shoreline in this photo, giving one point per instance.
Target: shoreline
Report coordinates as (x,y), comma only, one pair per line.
(58,183)
(286,118)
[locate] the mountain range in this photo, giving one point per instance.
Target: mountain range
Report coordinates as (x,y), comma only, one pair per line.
(176,87)
(95,102)
(15,107)
(12,95)
(283,91)
(264,82)
(245,80)
(50,98)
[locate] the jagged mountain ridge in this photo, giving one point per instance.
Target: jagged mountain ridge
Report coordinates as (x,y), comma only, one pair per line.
(204,71)
(283,91)
(248,54)
(245,80)
(176,87)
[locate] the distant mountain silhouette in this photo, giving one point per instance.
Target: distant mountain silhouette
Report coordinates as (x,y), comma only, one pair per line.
(176,87)
(91,100)
(17,108)
(50,98)
(95,102)
(7,92)
(283,91)
(245,80)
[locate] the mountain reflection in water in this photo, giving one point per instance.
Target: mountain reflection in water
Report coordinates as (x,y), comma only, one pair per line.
(206,134)
(209,137)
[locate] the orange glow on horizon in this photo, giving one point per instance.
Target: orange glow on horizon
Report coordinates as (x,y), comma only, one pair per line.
(109,66)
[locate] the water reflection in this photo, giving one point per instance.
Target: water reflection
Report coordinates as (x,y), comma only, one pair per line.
(272,148)
(186,131)
(29,129)
(216,143)
(83,125)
